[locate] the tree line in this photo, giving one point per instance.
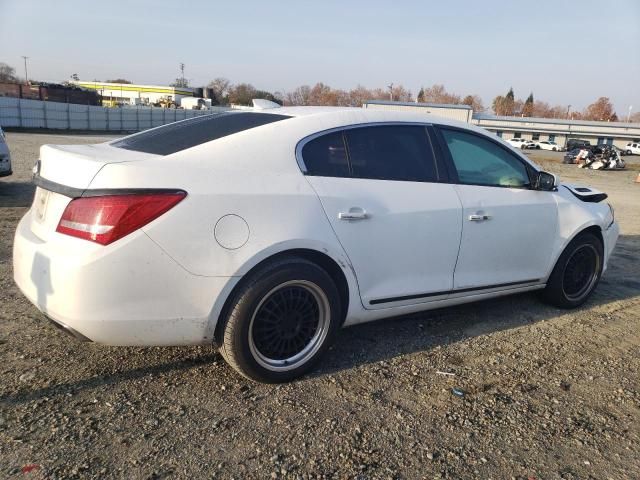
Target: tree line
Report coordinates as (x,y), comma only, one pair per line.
(226,93)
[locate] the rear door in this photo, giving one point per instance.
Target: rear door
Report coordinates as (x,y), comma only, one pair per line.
(509,229)
(381,188)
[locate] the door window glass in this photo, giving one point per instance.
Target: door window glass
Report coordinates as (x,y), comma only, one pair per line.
(326,156)
(391,152)
(480,161)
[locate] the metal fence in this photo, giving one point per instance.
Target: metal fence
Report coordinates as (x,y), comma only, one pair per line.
(23,113)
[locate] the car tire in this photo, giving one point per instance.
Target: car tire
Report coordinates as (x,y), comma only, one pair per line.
(629,152)
(554,149)
(537,147)
(576,273)
(281,321)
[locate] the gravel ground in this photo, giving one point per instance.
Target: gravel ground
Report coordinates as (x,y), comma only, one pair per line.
(546,393)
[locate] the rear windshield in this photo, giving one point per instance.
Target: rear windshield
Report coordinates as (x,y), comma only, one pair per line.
(179,136)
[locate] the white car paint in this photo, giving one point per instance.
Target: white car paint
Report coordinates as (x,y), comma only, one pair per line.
(633,148)
(548,145)
(166,283)
(5,156)
(521,143)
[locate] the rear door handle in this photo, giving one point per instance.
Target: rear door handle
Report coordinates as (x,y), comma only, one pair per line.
(479,217)
(354,213)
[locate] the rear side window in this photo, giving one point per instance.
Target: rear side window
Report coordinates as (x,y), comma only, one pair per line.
(391,152)
(480,161)
(179,136)
(326,156)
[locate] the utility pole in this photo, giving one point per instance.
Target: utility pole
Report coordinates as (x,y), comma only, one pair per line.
(568,110)
(26,74)
(629,114)
(390,87)
(182,74)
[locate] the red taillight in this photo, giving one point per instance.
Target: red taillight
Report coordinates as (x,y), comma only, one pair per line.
(105,219)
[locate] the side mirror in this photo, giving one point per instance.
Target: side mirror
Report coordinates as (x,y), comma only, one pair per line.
(546,181)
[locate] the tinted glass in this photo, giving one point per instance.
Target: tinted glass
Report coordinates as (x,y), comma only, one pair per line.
(326,156)
(391,152)
(480,161)
(178,136)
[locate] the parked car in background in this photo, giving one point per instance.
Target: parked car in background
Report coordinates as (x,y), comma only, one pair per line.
(577,143)
(632,148)
(5,156)
(548,145)
(267,231)
(521,143)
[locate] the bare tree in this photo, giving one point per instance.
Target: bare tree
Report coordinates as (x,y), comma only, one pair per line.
(475,102)
(242,94)
(438,94)
(220,87)
(119,80)
(300,96)
(601,109)
(7,74)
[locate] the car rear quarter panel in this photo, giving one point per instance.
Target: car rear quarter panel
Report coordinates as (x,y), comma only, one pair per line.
(253,175)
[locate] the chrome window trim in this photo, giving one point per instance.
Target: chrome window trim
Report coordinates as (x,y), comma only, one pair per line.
(300,145)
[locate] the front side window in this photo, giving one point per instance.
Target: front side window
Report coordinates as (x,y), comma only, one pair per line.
(326,156)
(391,152)
(480,161)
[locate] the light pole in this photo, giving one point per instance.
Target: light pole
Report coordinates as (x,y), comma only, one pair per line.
(390,87)
(629,114)
(568,110)
(26,74)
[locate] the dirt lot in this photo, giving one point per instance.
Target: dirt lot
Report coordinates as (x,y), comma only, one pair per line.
(549,393)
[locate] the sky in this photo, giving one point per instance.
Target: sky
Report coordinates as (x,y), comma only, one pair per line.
(565,52)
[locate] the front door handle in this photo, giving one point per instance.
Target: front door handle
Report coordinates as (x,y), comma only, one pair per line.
(354,213)
(476,217)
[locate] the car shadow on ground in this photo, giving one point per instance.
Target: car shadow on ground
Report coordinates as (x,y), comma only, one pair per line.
(382,340)
(16,194)
(397,336)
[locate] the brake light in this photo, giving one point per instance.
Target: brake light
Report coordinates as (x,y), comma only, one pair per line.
(107,218)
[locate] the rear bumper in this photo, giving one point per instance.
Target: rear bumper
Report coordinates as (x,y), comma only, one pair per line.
(6,173)
(127,293)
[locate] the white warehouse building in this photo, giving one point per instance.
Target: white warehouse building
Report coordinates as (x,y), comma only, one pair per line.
(549,129)
(462,113)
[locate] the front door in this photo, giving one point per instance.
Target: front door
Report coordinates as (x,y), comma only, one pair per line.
(508,228)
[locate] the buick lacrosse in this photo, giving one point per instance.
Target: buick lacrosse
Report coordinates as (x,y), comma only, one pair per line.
(265,231)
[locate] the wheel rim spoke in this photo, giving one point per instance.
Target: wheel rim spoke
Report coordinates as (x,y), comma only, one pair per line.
(580,272)
(289,324)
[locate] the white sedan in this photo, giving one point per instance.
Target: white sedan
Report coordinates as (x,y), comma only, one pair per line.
(264,232)
(521,143)
(548,145)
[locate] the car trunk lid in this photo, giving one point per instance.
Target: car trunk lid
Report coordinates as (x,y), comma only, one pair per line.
(64,172)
